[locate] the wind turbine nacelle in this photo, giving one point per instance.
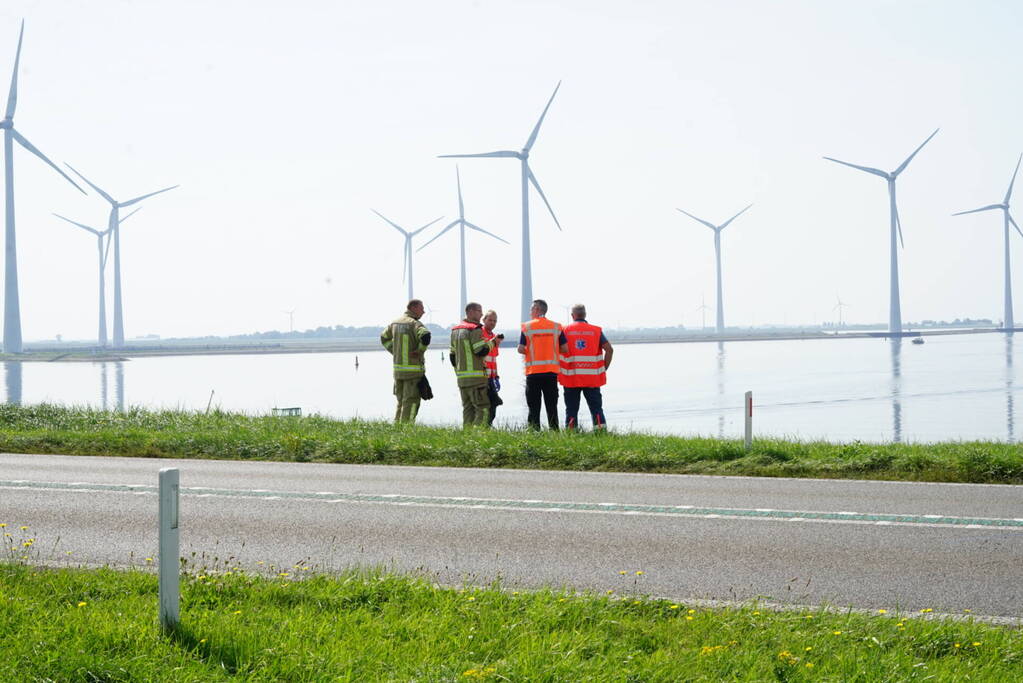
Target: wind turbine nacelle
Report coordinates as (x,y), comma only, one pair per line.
(6,123)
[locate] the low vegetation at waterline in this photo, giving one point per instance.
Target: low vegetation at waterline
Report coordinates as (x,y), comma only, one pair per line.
(292,624)
(181,434)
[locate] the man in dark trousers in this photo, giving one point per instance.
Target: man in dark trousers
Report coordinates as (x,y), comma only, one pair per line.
(583,369)
(540,342)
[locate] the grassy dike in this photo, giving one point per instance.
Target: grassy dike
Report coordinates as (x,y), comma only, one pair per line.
(293,625)
(178,434)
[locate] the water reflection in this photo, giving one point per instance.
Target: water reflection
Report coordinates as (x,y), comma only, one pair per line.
(12,381)
(896,389)
(104,383)
(1009,421)
(721,389)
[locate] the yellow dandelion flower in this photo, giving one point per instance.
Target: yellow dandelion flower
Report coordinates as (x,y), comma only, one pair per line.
(202,640)
(925,610)
(623,572)
(23,528)
(967,610)
(672,606)
(976,643)
(149,559)
(836,633)
(956,645)
(471,599)
(636,602)
(3,525)
(640,572)
(609,592)
(284,574)
(756,614)
(261,563)
(688,618)
(468,673)
(562,599)
(809,665)
(67,552)
(807,649)
(882,611)
(82,604)
(515,592)
(691,611)
(237,611)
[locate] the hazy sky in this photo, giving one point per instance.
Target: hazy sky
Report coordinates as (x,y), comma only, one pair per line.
(286,123)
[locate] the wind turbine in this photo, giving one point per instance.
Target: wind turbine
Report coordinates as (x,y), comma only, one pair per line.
(703,308)
(115,231)
(895,311)
(463,224)
(291,319)
(12,304)
(527,178)
(406,268)
(101,335)
(1004,206)
(717,255)
(840,305)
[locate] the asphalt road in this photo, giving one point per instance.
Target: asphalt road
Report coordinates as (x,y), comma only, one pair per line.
(947,547)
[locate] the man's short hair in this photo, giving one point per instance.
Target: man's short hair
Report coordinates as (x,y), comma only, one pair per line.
(413,302)
(541,304)
(472,305)
(490,312)
(579,311)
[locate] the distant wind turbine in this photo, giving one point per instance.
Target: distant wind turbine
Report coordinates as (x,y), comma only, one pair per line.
(527,178)
(895,310)
(113,225)
(463,224)
(1008,322)
(717,255)
(101,335)
(703,308)
(291,319)
(12,304)
(839,306)
(406,268)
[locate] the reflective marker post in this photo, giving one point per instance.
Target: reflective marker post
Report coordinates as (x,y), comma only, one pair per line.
(748,409)
(170,588)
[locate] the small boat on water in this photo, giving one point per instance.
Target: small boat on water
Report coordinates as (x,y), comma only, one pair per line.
(918,340)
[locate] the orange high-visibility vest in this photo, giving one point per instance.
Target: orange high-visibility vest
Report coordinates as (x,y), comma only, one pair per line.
(541,345)
(490,361)
(584,364)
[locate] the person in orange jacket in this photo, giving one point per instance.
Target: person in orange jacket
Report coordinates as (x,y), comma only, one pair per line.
(540,342)
(493,379)
(584,368)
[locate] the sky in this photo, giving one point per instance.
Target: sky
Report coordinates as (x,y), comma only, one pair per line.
(285,124)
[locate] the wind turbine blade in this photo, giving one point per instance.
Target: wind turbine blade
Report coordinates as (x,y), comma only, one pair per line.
(12,97)
(479,229)
(708,224)
(725,224)
(91,184)
(536,128)
(1013,181)
(128,216)
(532,179)
(458,179)
(413,234)
(404,263)
(868,169)
(32,148)
(94,231)
(392,223)
(146,196)
(989,207)
(898,224)
(106,252)
(1014,224)
(446,228)
(502,153)
(905,163)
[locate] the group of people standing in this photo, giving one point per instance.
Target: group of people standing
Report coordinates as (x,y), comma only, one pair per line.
(575,357)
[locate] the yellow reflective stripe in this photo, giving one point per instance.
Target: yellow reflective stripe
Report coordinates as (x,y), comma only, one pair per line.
(408,367)
(470,373)
(404,349)
(479,345)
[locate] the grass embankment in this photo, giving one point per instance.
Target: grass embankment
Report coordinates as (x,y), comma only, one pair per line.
(176,434)
(100,625)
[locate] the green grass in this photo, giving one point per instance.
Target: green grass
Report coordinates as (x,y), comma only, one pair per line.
(100,625)
(179,434)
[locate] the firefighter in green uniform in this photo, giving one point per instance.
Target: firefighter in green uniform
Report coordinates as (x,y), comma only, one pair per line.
(406,339)
(468,351)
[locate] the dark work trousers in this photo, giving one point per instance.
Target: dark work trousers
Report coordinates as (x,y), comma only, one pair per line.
(543,384)
(594,401)
(495,400)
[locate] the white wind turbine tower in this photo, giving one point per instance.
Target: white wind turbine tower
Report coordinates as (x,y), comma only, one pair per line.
(895,311)
(113,225)
(12,304)
(101,335)
(839,306)
(406,268)
(717,255)
(463,224)
(527,178)
(1007,321)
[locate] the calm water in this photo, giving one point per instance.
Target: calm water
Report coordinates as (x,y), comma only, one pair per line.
(956,387)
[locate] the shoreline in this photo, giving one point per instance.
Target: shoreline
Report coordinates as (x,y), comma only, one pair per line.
(89,354)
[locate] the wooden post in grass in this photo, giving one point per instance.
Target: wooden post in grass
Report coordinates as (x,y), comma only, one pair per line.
(170,565)
(748,410)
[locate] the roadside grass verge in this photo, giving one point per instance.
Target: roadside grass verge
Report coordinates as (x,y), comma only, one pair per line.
(49,428)
(275,624)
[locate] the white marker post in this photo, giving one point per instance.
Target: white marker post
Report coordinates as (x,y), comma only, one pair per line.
(748,409)
(170,588)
